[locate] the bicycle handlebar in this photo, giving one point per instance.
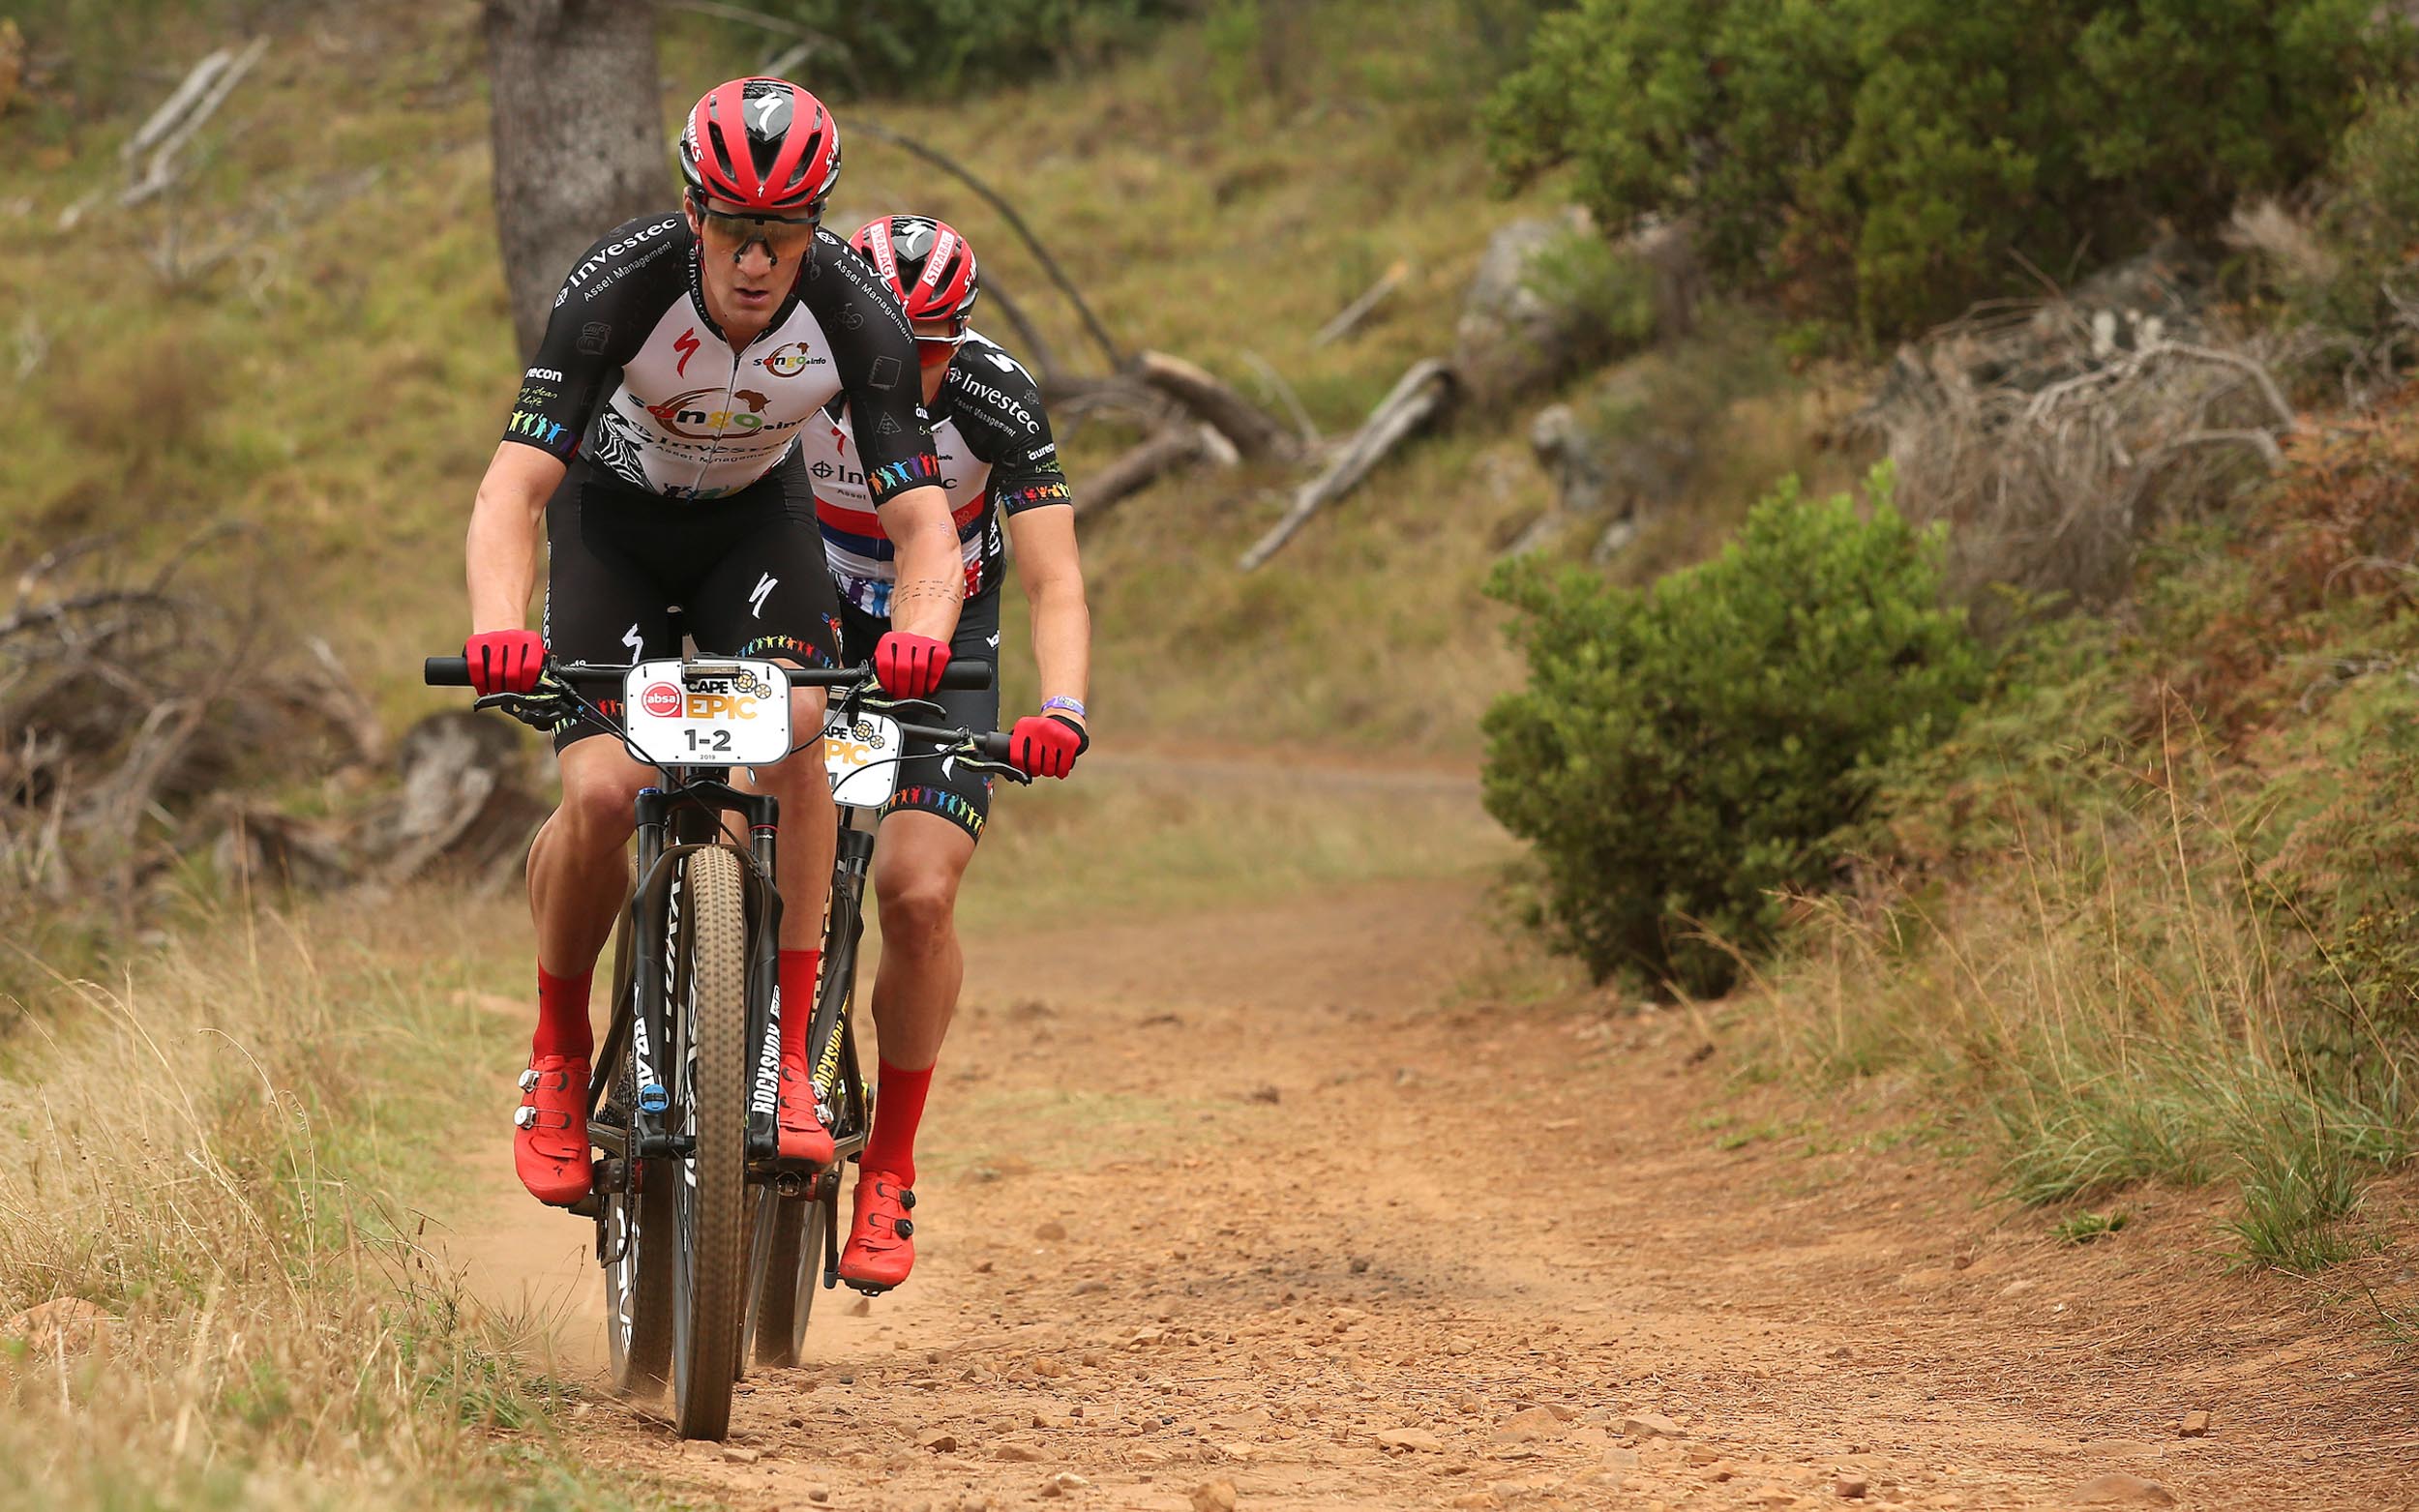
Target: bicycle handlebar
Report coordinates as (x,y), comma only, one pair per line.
(961,673)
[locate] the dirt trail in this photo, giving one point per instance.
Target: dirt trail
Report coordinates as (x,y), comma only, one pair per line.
(1242,1197)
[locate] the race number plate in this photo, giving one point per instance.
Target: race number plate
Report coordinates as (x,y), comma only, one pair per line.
(862,757)
(708,713)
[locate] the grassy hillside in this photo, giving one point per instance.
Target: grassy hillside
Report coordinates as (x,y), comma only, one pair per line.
(310,335)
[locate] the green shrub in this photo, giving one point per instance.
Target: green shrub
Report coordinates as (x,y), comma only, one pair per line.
(1891,155)
(1683,752)
(2360,252)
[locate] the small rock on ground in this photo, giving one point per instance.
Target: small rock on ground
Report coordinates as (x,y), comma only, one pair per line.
(1216,1495)
(1649,1425)
(740,1454)
(940,1441)
(1850,1488)
(1417,1440)
(2195,1425)
(1062,1483)
(2118,1489)
(1529,1425)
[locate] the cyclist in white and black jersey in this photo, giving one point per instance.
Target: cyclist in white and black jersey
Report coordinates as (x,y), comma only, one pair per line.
(653,450)
(999,467)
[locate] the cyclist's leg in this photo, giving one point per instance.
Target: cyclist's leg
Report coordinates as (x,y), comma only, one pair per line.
(928,836)
(599,607)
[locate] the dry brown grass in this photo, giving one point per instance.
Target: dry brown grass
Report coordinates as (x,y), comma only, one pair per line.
(2055,440)
(217,1149)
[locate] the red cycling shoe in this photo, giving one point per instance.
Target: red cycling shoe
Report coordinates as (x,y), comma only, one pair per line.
(804,1136)
(879,1256)
(550,1130)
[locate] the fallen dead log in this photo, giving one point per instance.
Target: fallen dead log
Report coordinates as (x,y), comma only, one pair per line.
(1418,397)
(163,171)
(1208,399)
(1137,469)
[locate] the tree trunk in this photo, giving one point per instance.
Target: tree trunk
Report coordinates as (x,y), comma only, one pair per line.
(579,134)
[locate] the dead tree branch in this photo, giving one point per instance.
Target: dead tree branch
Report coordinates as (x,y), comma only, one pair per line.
(1138,469)
(164,168)
(1284,390)
(1099,333)
(1210,399)
(1418,397)
(1347,318)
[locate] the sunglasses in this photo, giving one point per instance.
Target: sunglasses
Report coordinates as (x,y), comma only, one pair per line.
(735,234)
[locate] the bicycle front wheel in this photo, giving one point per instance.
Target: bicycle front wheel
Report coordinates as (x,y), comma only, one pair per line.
(710,1281)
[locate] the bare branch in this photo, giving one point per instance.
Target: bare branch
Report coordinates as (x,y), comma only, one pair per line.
(1347,318)
(1418,396)
(1136,471)
(164,169)
(1091,323)
(1213,401)
(1285,395)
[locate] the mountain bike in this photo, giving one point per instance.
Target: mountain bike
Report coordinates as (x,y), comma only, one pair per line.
(711,1244)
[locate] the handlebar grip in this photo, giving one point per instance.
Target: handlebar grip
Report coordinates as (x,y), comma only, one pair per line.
(969,675)
(446,671)
(993,745)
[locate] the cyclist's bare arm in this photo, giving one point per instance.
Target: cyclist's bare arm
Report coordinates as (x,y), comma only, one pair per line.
(931,575)
(507,525)
(1053,576)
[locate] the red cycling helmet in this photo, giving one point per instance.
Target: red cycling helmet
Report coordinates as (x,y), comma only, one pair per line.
(926,263)
(763,143)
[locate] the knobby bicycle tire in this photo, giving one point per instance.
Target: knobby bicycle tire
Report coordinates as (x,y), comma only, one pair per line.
(711,1284)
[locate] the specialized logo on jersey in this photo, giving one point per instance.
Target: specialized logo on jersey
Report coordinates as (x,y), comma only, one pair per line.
(763,589)
(686,346)
(788,362)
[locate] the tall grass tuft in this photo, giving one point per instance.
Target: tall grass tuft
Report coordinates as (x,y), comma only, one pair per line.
(2136,995)
(207,1149)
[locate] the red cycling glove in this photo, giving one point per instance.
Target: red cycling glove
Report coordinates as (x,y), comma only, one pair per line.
(909,667)
(505,661)
(1046,745)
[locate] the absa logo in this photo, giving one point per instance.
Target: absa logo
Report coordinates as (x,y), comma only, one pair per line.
(662,699)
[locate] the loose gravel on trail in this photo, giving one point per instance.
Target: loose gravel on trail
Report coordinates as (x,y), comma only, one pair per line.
(1273,1207)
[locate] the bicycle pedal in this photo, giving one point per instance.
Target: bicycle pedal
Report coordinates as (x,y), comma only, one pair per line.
(866,1287)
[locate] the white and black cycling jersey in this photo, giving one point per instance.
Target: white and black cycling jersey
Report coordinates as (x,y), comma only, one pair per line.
(634,374)
(996,456)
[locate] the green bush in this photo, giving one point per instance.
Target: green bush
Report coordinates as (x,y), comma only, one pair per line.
(1685,752)
(1896,156)
(2360,252)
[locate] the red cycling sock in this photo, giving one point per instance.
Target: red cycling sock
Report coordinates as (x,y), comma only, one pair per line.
(564,1016)
(898,1108)
(798,999)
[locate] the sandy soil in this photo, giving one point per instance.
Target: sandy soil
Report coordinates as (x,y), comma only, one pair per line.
(1264,1203)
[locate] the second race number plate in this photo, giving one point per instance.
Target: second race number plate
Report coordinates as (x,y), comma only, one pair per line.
(709,713)
(862,757)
